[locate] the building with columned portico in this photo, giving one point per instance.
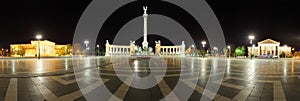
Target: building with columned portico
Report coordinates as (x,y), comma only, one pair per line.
(269,47)
(46,48)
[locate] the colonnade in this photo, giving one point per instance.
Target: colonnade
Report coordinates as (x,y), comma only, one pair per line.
(178,50)
(118,50)
(171,50)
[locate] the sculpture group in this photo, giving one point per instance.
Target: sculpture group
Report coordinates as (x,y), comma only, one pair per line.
(134,50)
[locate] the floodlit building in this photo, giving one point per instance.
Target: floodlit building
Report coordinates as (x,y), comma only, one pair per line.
(269,47)
(46,48)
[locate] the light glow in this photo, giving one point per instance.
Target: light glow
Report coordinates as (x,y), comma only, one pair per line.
(38,37)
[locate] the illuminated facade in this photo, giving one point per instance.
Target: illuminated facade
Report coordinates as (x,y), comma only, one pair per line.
(269,47)
(46,48)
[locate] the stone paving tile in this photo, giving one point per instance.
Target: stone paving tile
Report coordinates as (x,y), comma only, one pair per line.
(171,81)
(3,87)
(105,76)
(96,95)
(156,93)
(173,72)
(57,88)
(198,96)
(73,77)
(235,75)
(201,82)
(262,84)
(28,91)
(262,91)
(237,82)
(252,98)
(110,72)
(291,88)
(152,94)
(113,84)
(80,99)
(228,92)
(68,78)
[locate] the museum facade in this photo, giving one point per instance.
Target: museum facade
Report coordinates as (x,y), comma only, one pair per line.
(269,47)
(44,48)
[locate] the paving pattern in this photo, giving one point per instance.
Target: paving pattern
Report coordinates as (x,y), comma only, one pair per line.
(107,78)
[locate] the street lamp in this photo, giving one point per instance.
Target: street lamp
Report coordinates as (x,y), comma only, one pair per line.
(98,49)
(215,51)
(39,37)
(203,43)
(203,46)
(251,38)
(229,50)
(86,45)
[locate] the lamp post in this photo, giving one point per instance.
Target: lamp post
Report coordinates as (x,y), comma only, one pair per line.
(203,46)
(39,37)
(86,45)
(215,51)
(98,50)
(229,50)
(251,38)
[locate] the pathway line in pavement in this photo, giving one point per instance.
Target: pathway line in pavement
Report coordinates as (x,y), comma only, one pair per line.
(79,93)
(169,95)
(44,90)
(243,94)
(208,93)
(122,90)
(69,97)
(278,91)
(11,94)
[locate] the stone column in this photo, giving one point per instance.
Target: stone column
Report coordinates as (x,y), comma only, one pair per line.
(145,15)
(182,49)
(125,51)
(173,50)
(112,50)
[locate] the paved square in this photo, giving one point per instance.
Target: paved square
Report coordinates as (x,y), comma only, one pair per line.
(118,78)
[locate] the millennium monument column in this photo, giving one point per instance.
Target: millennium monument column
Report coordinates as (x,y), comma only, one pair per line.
(145,15)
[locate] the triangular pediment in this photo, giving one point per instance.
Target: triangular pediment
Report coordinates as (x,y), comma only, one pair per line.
(268,41)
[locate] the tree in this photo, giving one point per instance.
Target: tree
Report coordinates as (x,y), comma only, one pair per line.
(282,55)
(62,51)
(240,51)
(77,49)
(69,49)
(226,51)
(21,51)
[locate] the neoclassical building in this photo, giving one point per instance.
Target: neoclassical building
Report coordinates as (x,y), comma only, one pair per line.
(46,48)
(269,47)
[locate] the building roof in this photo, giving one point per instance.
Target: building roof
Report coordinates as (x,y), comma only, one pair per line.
(268,41)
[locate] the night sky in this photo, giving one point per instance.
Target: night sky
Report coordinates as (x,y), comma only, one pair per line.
(57,20)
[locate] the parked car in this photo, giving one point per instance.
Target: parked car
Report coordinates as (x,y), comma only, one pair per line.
(262,56)
(275,56)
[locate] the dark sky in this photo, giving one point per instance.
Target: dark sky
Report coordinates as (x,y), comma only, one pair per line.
(57,20)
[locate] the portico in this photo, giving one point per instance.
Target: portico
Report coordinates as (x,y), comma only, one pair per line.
(269,47)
